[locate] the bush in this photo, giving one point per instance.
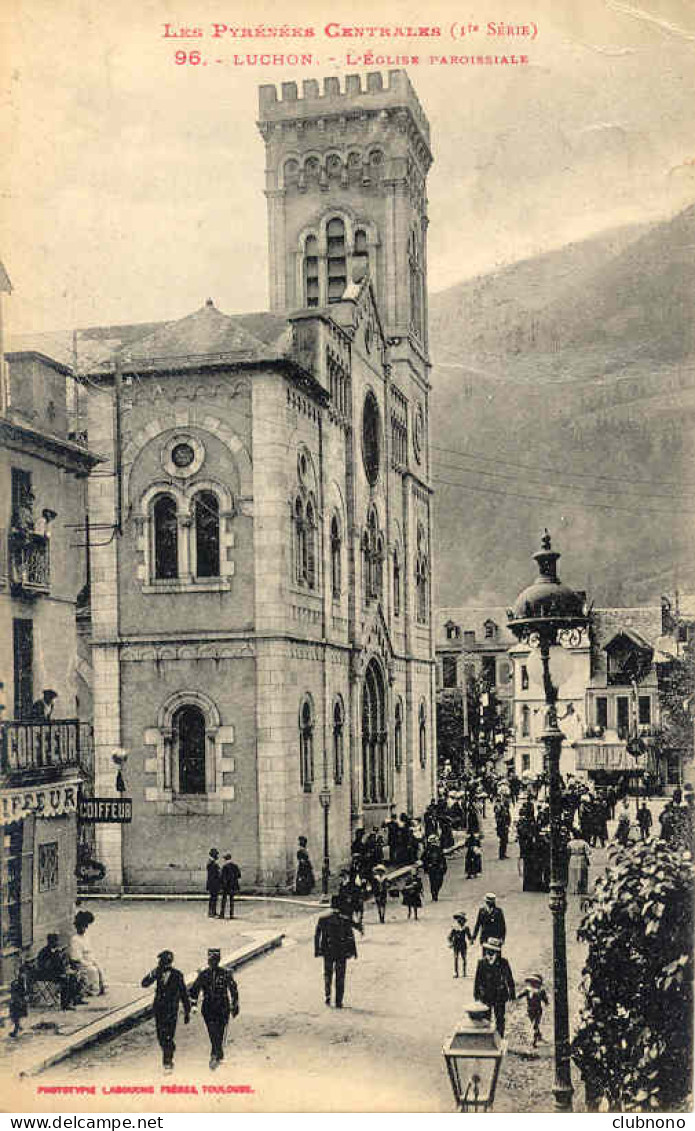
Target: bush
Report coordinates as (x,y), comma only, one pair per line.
(634,1041)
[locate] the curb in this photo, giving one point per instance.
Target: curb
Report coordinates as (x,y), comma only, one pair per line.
(126,1016)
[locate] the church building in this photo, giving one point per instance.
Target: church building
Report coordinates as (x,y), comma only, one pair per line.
(262,637)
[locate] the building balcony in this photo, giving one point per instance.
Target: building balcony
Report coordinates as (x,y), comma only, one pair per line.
(30,564)
(41,751)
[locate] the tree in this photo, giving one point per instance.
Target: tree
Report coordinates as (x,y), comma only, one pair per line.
(450,730)
(633,1045)
(677,702)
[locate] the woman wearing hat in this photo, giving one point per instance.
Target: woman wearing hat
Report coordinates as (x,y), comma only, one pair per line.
(536,998)
(380,890)
(494,982)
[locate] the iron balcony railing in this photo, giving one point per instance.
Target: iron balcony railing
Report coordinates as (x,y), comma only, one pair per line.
(30,564)
(40,749)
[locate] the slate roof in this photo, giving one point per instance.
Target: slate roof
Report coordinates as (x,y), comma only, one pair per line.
(472,618)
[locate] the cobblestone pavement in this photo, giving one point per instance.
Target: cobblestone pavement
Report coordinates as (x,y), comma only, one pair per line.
(382,1052)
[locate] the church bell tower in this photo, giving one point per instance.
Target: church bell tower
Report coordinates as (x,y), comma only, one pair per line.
(346,188)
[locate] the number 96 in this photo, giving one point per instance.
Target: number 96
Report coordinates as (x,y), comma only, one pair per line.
(192,57)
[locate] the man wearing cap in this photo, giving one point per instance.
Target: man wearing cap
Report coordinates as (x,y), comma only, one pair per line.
(171,989)
(220,1000)
(494,982)
(214,882)
(334,941)
(490,922)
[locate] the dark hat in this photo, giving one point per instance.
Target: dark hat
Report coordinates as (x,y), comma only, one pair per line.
(214,952)
(52,939)
(49,692)
(214,852)
(460,918)
(166,956)
(228,856)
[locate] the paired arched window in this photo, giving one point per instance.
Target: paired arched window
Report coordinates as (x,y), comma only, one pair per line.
(306,745)
(336,558)
(311,271)
(165,521)
(375,783)
(422,735)
(398,737)
(202,552)
(338,740)
(417,284)
(188,725)
(333,253)
(305,533)
(373,558)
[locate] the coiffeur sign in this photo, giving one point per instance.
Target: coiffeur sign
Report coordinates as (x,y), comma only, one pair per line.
(105,810)
(45,801)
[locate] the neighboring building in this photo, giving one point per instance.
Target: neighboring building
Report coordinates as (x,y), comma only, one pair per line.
(45,749)
(600,708)
(261,631)
(473,665)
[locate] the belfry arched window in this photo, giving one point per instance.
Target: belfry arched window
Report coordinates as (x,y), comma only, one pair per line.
(165,522)
(310,546)
(417,285)
(311,271)
(206,511)
(421,578)
(336,558)
(396,584)
(188,725)
(336,259)
(375,784)
(306,745)
(373,558)
(299,527)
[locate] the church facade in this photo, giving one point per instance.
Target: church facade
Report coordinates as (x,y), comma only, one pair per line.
(262,637)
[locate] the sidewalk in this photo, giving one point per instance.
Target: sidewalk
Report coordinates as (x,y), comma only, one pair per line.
(126,937)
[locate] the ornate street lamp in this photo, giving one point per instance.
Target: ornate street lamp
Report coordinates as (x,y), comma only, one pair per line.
(325,799)
(545,614)
(473,1056)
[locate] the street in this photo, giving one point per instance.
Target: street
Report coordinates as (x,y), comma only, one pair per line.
(382,1052)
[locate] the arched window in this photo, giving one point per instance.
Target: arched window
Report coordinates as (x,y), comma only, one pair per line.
(422,735)
(336,259)
(336,559)
(188,725)
(310,547)
(166,558)
(525,721)
(396,584)
(421,578)
(311,271)
(416,284)
(374,735)
(206,509)
(398,737)
(306,746)
(299,542)
(373,558)
(338,740)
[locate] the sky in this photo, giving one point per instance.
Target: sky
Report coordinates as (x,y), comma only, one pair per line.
(134,186)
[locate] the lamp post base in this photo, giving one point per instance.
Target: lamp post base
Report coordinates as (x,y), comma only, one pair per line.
(563,1094)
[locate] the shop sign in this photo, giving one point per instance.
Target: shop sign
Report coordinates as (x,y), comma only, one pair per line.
(105,810)
(46,801)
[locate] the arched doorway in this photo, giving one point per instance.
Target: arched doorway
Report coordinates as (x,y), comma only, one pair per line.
(188,725)
(375,777)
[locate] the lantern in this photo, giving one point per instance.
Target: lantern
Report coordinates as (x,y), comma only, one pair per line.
(473,1056)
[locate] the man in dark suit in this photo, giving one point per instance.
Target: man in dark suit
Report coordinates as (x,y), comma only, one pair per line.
(334,941)
(490,922)
(220,1000)
(171,989)
(214,882)
(494,982)
(229,884)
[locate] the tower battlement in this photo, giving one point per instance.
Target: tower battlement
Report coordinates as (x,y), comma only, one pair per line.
(366,93)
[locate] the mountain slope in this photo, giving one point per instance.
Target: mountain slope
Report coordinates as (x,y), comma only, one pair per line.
(564,395)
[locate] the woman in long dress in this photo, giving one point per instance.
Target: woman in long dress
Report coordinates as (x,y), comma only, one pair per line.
(88,971)
(304,879)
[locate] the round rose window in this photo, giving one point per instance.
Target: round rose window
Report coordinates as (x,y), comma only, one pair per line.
(182,455)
